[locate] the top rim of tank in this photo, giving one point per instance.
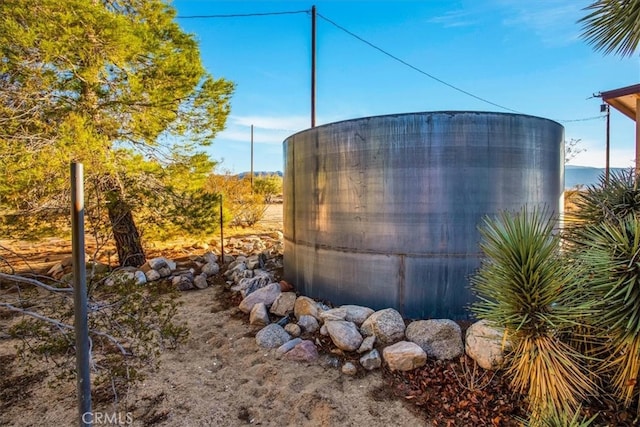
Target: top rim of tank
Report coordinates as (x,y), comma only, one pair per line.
(417,113)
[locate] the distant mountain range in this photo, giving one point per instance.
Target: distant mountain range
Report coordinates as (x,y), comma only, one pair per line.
(573,175)
(583,175)
(260,173)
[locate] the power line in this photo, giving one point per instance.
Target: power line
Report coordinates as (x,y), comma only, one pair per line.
(242,15)
(586,119)
(431,76)
(416,68)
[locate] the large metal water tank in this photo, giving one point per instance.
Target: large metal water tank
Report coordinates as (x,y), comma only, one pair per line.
(383,211)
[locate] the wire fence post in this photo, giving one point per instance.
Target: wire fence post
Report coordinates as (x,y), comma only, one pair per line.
(221,232)
(80,296)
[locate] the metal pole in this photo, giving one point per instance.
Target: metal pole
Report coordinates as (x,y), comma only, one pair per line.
(221,233)
(80,296)
(251,159)
(608,147)
(637,140)
(313,66)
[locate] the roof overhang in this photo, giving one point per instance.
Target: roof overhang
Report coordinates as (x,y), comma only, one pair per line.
(624,100)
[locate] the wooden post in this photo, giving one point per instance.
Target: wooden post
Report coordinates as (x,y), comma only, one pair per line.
(637,138)
(313,66)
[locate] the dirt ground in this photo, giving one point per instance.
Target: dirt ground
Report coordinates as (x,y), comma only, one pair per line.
(219,377)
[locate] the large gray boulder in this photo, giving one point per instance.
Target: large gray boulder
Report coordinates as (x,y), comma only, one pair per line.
(387,325)
(486,344)
(439,338)
(344,334)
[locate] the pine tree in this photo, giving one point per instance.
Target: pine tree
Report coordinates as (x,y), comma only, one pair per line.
(104,82)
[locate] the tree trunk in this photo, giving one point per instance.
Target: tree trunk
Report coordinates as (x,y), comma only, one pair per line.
(125,233)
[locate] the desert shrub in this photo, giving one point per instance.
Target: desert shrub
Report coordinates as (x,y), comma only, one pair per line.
(129,326)
(241,207)
(527,286)
(268,186)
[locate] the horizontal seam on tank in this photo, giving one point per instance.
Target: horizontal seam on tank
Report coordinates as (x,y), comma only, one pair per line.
(374,252)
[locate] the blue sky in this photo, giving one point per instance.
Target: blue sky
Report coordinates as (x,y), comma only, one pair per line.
(523,55)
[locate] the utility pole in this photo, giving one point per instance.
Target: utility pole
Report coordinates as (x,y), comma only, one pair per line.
(608,143)
(251,179)
(313,66)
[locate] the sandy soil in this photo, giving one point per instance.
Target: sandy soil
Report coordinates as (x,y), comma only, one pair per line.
(219,377)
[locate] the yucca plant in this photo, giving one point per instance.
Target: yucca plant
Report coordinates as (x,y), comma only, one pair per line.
(611,249)
(527,286)
(554,418)
(607,201)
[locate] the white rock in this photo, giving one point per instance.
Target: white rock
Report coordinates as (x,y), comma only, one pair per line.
(259,315)
(283,305)
(485,344)
(404,356)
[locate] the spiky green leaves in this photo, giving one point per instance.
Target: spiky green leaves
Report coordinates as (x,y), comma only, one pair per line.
(528,287)
(612,26)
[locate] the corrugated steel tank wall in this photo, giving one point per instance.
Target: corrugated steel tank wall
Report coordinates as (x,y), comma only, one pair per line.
(383,211)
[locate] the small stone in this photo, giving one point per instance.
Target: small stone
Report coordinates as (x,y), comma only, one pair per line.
(371,360)
(284,348)
(283,305)
(333,314)
(285,286)
(210,257)
(272,336)
(356,313)
(349,369)
(259,315)
(308,323)
(152,275)
(211,268)
(157,263)
(164,271)
(306,351)
(305,305)
(323,330)
(200,281)
(293,329)
(266,295)
(404,356)
(344,334)
(184,283)
(367,344)
(253,262)
(140,277)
